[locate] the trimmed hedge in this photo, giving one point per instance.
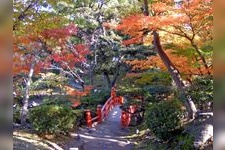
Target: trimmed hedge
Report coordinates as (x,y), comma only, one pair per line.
(53,119)
(163,118)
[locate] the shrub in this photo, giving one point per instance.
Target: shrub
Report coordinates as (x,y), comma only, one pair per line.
(96,97)
(132,91)
(57,100)
(158,92)
(163,118)
(52,119)
(49,80)
(16,114)
(201,91)
(154,78)
(184,142)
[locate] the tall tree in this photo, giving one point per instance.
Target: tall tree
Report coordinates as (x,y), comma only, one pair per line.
(27,59)
(196,29)
(150,23)
(106,58)
(51,47)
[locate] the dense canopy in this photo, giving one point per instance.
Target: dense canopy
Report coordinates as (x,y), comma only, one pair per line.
(69,55)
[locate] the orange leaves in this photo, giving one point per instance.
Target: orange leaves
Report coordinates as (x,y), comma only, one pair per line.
(25,40)
(61,33)
(71,55)
(187,67)
(140,64)
(197,11)
(164,15)
(190,21)
(137,25)
(29,47)
(132,75)
(159,7)
(76,93)
(136,40)
(134,25)
(66,52)
(184,65)
(81,49)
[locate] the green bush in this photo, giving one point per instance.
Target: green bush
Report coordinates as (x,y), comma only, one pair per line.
(201,91)
(184,142)
(49,80)
(52,119)
(57,100)
(16,114)
(163,118)
(95,98)
(131,91)
(154,78)
(158,92)
(153,85)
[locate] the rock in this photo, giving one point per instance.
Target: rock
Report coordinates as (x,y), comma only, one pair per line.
(202,129)
(205,135)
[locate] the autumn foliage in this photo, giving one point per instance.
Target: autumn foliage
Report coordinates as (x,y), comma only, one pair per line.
(74,92)
(187,23)
(187,67)
(75,95)
(51,44)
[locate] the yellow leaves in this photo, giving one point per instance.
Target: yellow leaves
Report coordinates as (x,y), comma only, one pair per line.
(136,25)
(159,7)
(141,64)
(133,25)
(184,65)
(147,40)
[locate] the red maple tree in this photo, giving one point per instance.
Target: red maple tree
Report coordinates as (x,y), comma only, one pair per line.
(33,53)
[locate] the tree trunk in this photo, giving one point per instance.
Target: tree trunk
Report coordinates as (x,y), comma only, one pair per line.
(116,75)
(199,68)
(24,111)
(114,79)
(175,76)
(91,75)
(107,78)
(191,108)
(145,8)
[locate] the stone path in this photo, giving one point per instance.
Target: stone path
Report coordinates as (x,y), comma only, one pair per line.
(21,143)
(109,135)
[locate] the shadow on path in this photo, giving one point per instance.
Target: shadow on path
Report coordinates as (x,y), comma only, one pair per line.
(109,135)
(20,143)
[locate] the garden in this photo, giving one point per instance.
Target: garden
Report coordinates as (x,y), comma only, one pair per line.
(157,55)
